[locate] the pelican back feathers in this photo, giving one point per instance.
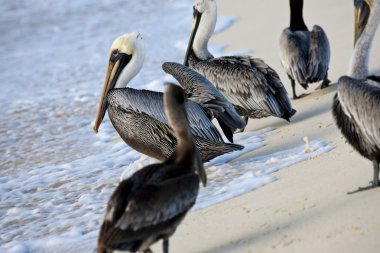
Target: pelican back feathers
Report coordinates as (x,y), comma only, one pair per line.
(319,55)
(139,118)
(305,55)
(202,91)
(253,87)
(144,208)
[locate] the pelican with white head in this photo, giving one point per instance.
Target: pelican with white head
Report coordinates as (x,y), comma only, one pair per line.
(126,58)
(205,17)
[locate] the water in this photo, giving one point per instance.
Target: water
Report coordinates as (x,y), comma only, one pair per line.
(53,56)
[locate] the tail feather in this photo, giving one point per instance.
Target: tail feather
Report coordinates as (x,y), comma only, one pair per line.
(210,150)
(234,118)
(228,132)
(230,117)
(287,115)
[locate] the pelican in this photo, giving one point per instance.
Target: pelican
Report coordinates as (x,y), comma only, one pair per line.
(150,204)
(253,87)
(138,115)
(202,91)
(304,54)
(356,105)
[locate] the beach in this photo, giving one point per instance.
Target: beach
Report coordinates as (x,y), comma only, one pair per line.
(307,209)
(57,175)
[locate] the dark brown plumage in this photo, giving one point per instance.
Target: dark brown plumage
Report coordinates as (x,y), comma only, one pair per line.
(150,204)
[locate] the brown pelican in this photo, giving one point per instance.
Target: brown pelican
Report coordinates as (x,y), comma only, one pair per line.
(201,91)
(138,115)
(253,87)
(356,105)
(150,204)
(304,54)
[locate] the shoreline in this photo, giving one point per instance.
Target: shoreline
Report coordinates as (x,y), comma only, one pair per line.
(307,209)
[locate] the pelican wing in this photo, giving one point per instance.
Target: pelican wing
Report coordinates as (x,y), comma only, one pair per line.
(247,82)
(109,233)
(202,91)
(137,206)
(360,101)
(319,54)
(151,103)
(154,204)
(294,54)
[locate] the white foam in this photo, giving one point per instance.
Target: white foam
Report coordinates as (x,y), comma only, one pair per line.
(72,197)
(234,178)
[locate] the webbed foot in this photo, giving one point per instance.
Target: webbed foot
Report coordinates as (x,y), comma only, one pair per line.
(300,96)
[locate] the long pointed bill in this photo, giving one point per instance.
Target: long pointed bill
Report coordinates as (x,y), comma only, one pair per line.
(202,175)
(199,167)
(106,88)
(362,11)
(197,18)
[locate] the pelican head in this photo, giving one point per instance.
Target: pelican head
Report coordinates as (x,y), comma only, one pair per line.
(126,57)
(202,5)
(362,12)
(199,8)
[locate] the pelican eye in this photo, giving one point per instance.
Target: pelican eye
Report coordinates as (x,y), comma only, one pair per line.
(115,52)
(115,56)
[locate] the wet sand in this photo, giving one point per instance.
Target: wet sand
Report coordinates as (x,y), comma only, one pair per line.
(307,209)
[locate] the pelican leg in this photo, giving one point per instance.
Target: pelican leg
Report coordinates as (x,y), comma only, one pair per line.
(325,82)
(293,88)
(165,246)
(375,181)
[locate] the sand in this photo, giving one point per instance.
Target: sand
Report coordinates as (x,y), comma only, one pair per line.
(308,208)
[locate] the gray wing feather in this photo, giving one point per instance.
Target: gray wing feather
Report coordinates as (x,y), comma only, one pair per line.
(294,51)
(156,203)
(319,54)
(151,103)
(360,101)
(202,91)
(247,82)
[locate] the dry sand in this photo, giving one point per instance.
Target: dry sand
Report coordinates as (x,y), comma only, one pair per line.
(307,209)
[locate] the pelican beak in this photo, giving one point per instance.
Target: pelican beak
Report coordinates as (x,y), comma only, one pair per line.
(199,167)
(202,175)
(197,18)
(116,64)
(362,11)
